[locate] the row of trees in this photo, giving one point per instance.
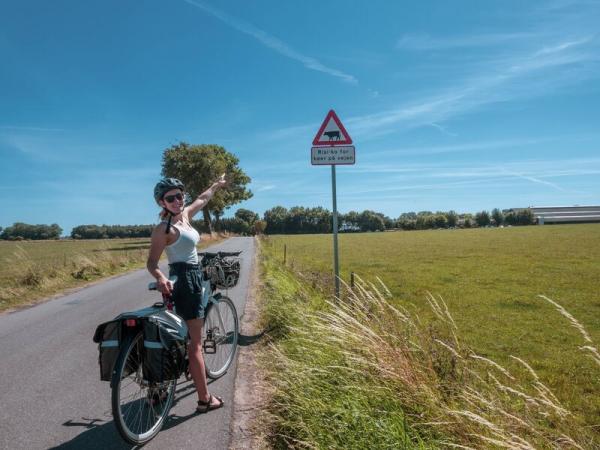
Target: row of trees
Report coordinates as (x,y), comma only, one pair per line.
(20,230)
(425,220)
(111,231)
(296,220)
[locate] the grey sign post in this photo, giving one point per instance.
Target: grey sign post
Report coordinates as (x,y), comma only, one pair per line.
(336,258)
(332,146)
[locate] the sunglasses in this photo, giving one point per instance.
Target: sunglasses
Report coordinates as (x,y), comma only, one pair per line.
(172,198)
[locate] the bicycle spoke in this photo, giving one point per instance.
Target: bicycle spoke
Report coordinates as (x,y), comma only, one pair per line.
(138,409)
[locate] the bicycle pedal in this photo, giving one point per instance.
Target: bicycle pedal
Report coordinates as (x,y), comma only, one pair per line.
(210,346)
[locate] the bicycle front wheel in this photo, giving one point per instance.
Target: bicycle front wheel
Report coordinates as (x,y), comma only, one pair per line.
(220,336)
(139,408)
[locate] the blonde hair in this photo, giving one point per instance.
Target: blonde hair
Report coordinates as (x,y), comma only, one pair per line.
(163,214)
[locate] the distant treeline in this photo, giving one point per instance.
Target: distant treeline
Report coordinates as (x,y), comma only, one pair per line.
(300,220)
(296,220)
(20,231)
(111,231)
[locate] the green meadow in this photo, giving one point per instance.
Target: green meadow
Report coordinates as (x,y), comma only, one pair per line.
(491,280)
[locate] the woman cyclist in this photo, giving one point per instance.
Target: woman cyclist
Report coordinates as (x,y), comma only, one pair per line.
(176,235)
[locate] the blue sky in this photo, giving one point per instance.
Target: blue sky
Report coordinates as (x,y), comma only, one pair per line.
(462,105)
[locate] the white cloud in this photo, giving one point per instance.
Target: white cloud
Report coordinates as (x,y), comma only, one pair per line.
(427,42)
(273,43)
(519,76)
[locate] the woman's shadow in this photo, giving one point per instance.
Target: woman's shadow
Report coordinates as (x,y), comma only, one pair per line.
(101,434)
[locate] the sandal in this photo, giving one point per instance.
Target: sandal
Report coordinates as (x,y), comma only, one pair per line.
(204,407)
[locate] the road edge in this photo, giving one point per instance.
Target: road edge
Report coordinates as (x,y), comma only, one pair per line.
(248,395)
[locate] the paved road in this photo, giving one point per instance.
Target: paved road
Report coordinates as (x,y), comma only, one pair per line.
(51,395)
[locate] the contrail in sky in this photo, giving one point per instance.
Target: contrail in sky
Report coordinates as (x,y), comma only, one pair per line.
(272,42)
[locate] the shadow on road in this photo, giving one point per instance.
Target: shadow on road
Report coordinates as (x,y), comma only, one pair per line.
(100,435)
(245,341)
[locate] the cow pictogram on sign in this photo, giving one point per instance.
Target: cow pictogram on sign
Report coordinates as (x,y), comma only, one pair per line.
(332,132)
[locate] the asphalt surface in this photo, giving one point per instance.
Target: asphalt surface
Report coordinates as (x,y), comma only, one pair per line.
(51,395)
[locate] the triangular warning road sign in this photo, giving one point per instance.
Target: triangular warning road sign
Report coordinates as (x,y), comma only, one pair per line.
(332,132)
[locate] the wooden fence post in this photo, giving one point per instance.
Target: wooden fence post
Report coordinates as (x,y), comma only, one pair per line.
(351,280)
(284,253)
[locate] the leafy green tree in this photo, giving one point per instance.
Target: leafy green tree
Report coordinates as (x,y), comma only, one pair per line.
(198,166)
(247,216)
(259,227)
(20,230)
(407,221)
(440,220)
(371,221)
(483,218)
(466,220)
(236,225)
(276,219)
(452,218)
(525,217)
(295,220)
(498,217)
(349,221)
(388,222)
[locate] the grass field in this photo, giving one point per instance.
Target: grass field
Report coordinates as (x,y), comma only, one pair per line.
(490,279)
(32,270)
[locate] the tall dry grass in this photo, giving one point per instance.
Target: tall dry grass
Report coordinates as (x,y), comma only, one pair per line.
(26,276)
(363,373)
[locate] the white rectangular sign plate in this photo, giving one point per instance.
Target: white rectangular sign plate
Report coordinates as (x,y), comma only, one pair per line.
(340,155)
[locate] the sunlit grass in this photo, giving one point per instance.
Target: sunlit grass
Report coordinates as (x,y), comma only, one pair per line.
(491,280)
(367,372)
(32,270)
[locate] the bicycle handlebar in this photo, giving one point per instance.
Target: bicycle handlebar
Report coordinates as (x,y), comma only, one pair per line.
(219,254)
(152,286)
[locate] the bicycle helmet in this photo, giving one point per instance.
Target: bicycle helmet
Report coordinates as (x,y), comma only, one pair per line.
(165,185)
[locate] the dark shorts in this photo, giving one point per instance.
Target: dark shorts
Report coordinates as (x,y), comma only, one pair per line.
(187,292)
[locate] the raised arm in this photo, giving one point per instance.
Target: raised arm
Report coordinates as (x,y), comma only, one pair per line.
(205,197)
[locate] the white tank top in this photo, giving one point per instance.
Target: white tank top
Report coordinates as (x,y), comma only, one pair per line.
(184,248)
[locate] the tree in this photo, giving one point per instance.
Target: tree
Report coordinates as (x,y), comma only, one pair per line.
(349,221)
(525,217)
(483,218)
(259,226)
(371,221)
(388,222)
(440,220)
(407,221)
(198,166)
(498,217)
(235,225)
(452,218)
(276,218)
(247,216)
(20,230)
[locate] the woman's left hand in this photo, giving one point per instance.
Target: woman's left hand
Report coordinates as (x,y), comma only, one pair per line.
(222,182)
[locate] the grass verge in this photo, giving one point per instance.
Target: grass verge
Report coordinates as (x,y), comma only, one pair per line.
(368,373)
(490,278)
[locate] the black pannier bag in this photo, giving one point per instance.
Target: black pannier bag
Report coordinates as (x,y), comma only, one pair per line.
(107,337)
(225,274)
(162,350)
(231,274)
(165,337)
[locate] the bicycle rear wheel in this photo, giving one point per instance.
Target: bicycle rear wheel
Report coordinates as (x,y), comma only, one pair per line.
(139,408)
(220,336)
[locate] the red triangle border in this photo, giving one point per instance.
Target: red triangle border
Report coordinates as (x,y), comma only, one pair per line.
(347,139)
